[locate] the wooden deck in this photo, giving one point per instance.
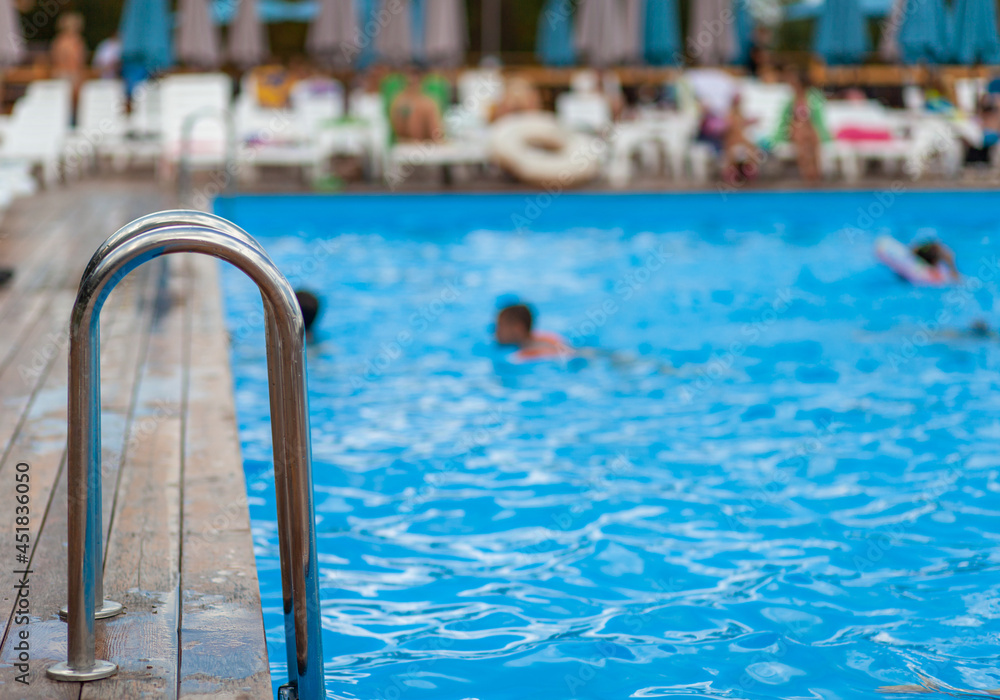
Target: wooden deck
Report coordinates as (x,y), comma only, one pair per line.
(178,550)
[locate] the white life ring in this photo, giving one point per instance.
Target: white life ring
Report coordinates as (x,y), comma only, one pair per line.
(536,149)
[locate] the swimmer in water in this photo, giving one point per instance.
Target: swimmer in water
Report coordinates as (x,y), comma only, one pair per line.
(937,255)
(515,327)
(309,303)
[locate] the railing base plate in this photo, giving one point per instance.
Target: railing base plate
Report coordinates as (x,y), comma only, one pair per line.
(63,672)
(109,609)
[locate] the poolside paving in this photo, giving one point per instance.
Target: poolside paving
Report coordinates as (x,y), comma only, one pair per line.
(178,548)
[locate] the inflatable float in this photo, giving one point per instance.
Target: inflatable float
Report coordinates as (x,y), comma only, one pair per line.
(905,263)
(536,149)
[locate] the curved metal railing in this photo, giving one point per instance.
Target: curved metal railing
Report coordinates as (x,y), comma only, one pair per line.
(136,243)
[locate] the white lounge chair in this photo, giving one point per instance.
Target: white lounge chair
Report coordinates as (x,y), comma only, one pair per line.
(461,148)
(368,108)
(37,130)
(196,118)
(101,125)
(669,136)
(967,93)
(405,157)
(587,112)
(478,91)
(269,137)
(909,143)
(144,135)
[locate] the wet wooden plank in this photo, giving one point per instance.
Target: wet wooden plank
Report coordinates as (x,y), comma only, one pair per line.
(179,518)
(142,566)
(41,442)
(219,579)
(41,445)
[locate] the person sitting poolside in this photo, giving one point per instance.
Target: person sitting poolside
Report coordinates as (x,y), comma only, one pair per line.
(937,255)
(740,155)
(414,115)
(803,125)
(519,96)
(515,327)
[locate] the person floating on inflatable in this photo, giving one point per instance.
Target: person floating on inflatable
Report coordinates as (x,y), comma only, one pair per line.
(927,263)
(514,327)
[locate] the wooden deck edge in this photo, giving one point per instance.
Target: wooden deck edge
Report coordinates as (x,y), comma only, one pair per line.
(219,581)
(194,626)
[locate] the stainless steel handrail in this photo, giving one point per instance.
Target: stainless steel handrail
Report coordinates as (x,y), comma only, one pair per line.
(180,217)
(137,243)
(109,608)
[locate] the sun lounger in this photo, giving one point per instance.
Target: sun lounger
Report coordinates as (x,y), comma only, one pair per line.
(196,121)
(38,128)
(101,126)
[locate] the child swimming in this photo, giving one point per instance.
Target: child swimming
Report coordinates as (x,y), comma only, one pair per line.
(515,327)
(310,305)
(938,256)
(928,263)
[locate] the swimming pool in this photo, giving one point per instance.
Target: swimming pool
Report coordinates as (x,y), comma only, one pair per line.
(774,476)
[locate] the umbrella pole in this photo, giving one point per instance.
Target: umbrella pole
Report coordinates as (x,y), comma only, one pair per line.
(490,25)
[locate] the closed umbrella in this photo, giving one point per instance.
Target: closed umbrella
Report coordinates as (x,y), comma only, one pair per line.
(447,32)
(633,31)
(418,17)
(394,41)
(197,38)
(663,33)
(888,47)
(841,33)
(248,45)
(554,43)
(975,38)
(923,32)
(145,36)
(367,14)
(744,25)
(712,40)
(12,49)
(600,32)
(333,38)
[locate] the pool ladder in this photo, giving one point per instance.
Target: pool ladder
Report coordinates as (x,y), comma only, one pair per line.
(142,240)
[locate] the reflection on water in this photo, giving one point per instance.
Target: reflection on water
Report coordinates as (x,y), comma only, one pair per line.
(774,475)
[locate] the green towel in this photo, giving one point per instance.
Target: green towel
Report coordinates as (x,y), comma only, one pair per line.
(437,87)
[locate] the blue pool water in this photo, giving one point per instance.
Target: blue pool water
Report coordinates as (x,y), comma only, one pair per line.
(775,475)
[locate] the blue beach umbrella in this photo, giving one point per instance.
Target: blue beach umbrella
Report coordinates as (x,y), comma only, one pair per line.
(367,11)
(744,30)
(841,33)
(812,9)
(554,41)
(923,32)
(145,31)
(418,29)
(663,33)
(975,37)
